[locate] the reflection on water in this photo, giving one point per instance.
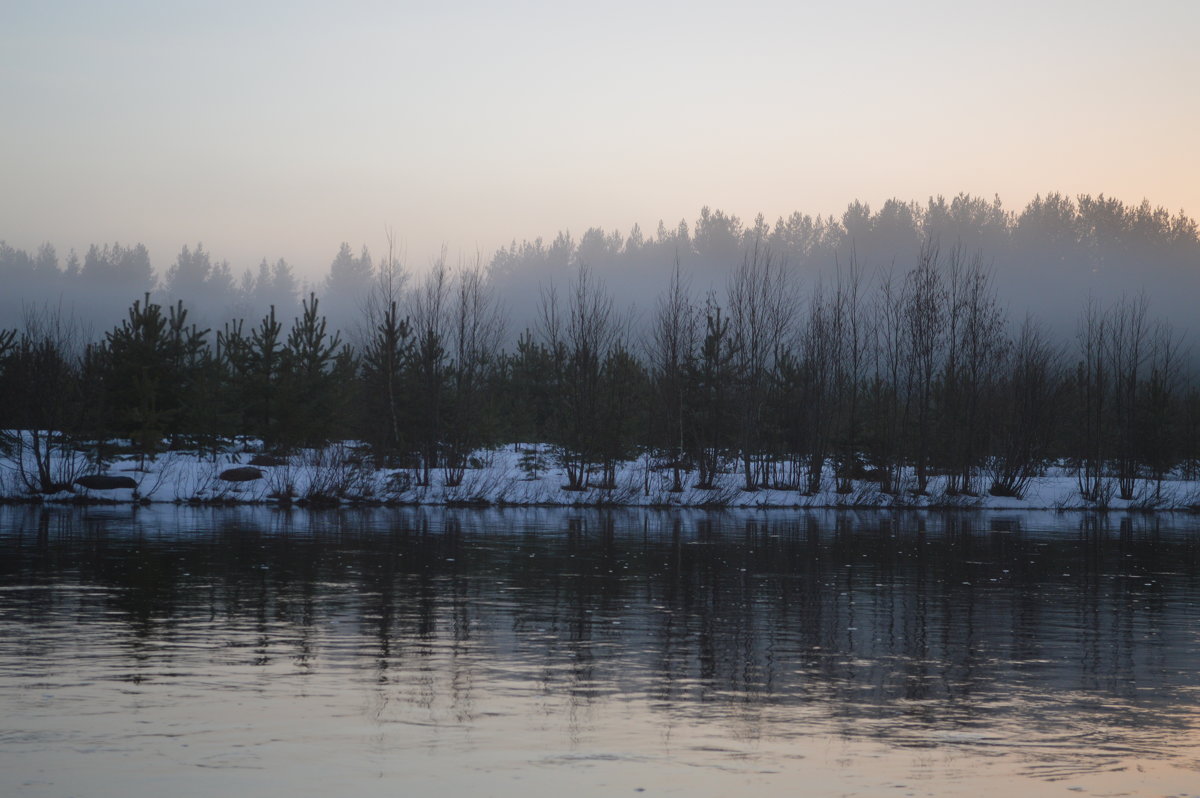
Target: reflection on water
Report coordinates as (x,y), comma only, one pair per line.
(528,651)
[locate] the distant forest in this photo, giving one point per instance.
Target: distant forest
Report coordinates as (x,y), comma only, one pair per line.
(1045,259)
(804,354)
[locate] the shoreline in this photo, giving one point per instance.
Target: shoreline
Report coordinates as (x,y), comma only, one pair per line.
(339,477)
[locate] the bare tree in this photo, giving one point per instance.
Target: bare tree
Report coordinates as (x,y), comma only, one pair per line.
(1159,417)
(761,307)
(41,400)
(975,345)
(1027,410)
(852,330)
(430,308)
(890,365)
(388,289)
(1091,396)
(1128,349)
(581,336)
(477,329)
(925,310)
(811,383)
(671,351)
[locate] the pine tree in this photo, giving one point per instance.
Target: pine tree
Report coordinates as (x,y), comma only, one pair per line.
(265,362)
(313,362)
(710,410)
(385,363)
(149,357)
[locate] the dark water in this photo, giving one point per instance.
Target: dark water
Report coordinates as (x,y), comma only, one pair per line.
(548,652)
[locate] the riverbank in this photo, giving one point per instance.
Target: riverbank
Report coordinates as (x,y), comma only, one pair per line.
(515,475)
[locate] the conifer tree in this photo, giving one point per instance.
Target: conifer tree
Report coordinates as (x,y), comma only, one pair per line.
(385,363)
(265,362)
(314,363)
(710,409)
(150,356)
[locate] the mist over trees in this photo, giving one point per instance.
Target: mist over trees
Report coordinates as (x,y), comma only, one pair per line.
(1046,258)
(97,290)
(895,375)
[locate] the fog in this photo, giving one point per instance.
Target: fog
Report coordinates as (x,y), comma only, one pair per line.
(280,130)
(1047,258)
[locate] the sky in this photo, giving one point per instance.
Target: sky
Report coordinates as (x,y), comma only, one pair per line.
(280,129)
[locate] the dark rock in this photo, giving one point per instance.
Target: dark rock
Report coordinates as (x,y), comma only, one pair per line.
(267,460)
(106,482)
(242,474)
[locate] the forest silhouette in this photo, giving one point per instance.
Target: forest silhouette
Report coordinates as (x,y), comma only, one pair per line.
(886,346)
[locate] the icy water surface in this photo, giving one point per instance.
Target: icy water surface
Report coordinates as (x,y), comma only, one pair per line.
(190,652)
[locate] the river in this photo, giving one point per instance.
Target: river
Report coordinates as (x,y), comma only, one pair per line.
(543,652)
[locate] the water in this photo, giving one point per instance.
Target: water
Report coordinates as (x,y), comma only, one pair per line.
(549,652)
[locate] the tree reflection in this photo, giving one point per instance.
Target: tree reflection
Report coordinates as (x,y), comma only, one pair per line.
(889,624)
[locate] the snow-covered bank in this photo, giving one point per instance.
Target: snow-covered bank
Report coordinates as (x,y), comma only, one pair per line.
(521,475)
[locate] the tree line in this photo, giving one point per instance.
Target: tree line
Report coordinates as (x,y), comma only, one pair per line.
(891,376)
(96,289)
(1045,256)
(1065,246)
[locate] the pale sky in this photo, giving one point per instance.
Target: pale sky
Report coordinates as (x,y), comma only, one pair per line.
(281,129)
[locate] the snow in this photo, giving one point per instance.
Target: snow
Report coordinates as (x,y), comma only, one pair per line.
(342,473)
